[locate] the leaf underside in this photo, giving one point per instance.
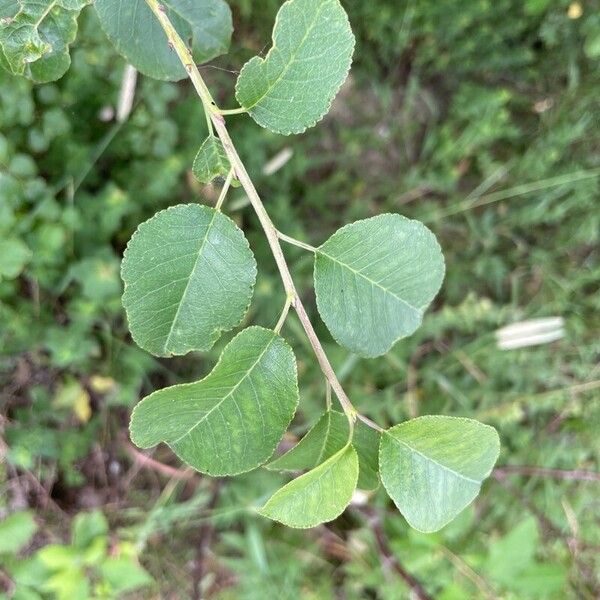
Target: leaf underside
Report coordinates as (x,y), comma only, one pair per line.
(292,88)
(374,279)
(35,36)
(318,496)
(232,420)
(432,467)
(328,436)
(188,274)
(138,36)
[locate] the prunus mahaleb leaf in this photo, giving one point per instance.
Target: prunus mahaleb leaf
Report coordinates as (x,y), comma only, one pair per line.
(318,496)
(432,467)
(327,436)
(35,36)
(374,279)
(232,420)
(188,274)
(138,36)
(292,88)
(211,161)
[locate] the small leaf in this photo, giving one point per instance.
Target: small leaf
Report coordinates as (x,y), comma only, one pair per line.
(232,420)
(138,36)
(433,467)
(211,161)
(293,86)
(14,255)
(16,532)
(35,36)
(318,496)
(328,436)
(188,274)
(374,279)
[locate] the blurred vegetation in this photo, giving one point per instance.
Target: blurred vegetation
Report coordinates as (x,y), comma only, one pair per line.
(479,118)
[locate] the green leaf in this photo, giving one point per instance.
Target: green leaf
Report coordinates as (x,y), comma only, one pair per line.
(318,496)
(328,436)
(137,35)
(211,161)
(374,279)
(189,275)
(232,420)
(35,36)
(124,575)
(432,467)
(292,88)
(16,531)
(14,255)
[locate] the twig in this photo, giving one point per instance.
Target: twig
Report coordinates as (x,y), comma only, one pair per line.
(142,460)
(531,471)
(390,559)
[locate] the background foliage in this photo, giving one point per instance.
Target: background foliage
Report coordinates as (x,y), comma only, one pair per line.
(479,118)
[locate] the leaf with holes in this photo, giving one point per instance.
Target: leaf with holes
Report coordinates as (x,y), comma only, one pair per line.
(232,420)
(374,279)
(433,467)
(138,36)
(293,86)
(318,496)
(327,436)
(211,161)
(35,36)
(189,275)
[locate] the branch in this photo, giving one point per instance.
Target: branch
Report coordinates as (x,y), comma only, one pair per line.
(216,118)
(142,460)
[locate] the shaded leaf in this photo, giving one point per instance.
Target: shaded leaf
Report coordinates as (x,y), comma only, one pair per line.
(211,161)
(328,436)
(433,467)
(188,274)
(35,36)
(374,279)
(232,420)
(136,33)
(318,496)
(293,86)
(14,255)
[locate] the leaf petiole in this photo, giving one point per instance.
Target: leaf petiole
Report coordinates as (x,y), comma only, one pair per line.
(295,242)
(231,111)
(284,313)
(225,189)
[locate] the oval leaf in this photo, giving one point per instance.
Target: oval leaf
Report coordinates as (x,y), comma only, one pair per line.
(432,467)
(293,86)
(139,37)
(374,279)
(211,161)
(35,36)
(232,420)
(318,496)
(188,274)
(328,436)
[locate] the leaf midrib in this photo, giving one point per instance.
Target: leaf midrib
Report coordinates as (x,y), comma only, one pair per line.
(229,393)
(435,462)
(187,285)
(371,281)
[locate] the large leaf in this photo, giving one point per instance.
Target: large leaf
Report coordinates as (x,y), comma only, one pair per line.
(35,36)
(293,86)
(328,436)
(138,36)
(232,420)
(374,279)
(318,496)
(188,274)
(432,467)
(211,161)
